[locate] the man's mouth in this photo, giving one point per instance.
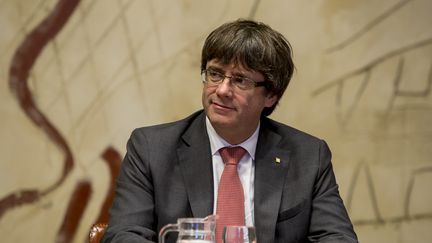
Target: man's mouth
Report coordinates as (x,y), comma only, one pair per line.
(221,106)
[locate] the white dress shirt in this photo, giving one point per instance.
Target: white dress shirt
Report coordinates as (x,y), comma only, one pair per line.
(245,168)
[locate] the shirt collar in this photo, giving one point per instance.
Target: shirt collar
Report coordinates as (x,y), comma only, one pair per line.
(217,142)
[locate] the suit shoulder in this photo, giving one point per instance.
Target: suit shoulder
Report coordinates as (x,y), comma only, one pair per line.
(289,132)
(171,129)
(298,142)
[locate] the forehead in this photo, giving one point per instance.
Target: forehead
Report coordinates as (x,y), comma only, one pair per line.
(232,66)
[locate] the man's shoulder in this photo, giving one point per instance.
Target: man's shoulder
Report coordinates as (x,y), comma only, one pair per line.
(293,139)
(287,131)
(175,128)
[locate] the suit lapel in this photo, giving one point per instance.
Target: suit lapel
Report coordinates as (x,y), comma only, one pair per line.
(195,162)
(271,167)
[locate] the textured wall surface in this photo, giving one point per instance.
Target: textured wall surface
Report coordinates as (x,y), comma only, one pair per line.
(77,76)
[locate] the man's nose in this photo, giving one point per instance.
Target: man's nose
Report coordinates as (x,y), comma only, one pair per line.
(225,87)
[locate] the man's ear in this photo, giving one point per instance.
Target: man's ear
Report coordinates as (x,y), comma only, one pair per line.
(271,99)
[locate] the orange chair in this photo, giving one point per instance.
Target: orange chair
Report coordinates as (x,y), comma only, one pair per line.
(96,232)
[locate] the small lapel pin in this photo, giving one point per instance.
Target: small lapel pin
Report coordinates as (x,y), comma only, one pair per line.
(277,160)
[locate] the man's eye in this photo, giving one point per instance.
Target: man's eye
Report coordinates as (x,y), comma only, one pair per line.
(214,74)
(239,80)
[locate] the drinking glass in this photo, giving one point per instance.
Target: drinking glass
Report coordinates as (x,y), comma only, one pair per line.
(239,234)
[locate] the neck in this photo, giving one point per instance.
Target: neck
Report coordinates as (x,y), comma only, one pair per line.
(235,135)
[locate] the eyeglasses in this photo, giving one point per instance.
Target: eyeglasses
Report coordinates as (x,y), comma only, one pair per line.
(213,78)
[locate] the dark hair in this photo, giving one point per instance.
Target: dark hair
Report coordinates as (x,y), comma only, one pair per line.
(256,46)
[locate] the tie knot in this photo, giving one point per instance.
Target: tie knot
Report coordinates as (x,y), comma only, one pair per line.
(232,155)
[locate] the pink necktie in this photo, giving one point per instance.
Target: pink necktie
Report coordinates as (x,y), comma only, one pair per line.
(230,201)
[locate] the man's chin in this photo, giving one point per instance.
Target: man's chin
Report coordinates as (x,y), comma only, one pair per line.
(221,121)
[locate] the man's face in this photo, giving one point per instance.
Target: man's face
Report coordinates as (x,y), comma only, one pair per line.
(231,109)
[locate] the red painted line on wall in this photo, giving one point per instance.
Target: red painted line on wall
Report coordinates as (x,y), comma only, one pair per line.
(113,159)
(21,65)
(77,204)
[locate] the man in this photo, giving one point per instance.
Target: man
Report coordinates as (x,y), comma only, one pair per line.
(174,170)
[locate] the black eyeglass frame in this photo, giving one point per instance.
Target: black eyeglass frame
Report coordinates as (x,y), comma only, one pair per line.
(253,83)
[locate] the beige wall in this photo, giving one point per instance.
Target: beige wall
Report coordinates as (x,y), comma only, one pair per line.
(363,83)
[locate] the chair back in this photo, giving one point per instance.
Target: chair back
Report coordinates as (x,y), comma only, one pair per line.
(96,232)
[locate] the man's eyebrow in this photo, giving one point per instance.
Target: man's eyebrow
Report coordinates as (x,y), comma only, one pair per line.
(238,73)
(215,68)
(235,72)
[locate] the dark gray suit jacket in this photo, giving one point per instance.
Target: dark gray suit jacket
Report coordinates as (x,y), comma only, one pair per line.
(167,174)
